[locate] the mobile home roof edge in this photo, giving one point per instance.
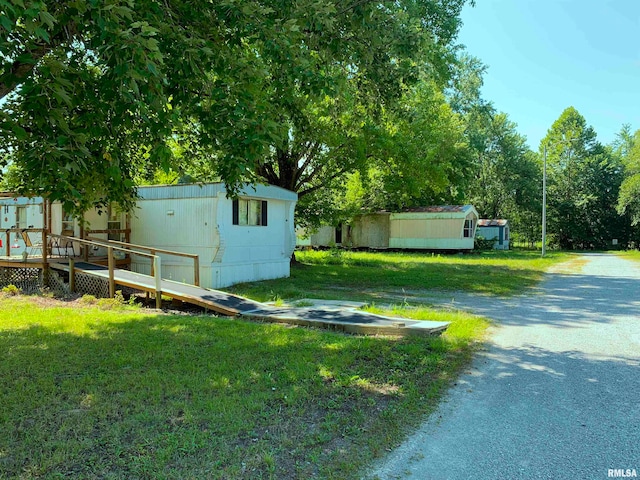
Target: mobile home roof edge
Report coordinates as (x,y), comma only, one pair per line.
(199,190)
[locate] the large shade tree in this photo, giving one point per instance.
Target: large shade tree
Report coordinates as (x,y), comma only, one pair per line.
(280,91)
(504,180)
(420,158)
(584,181)
(334,88)
(629,198)
(85,90)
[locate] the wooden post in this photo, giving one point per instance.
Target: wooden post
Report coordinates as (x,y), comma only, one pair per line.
(48,215)
(45,263)
(127,226)
(72,275)
(153,259)
(84,248)
(153,263)
(196,273)
(112,282)
(8,243)
(158,279)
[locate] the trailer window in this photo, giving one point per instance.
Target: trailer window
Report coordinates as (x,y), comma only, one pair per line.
(67,223)
(468,229)
(249,212)
(21,217)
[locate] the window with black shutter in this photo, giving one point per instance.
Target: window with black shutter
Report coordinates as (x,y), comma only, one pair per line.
(249,212)
(236,210)
(264,213)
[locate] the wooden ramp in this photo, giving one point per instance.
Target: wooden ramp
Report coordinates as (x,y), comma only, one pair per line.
(217,301)
(335,317)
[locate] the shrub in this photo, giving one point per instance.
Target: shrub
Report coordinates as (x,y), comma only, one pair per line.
(11,290)
(88,299)
(481,243)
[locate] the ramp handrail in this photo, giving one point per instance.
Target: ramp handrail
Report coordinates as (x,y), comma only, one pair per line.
(155,263)
(131,247)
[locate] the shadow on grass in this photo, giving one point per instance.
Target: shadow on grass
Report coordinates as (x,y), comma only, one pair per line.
(199,397)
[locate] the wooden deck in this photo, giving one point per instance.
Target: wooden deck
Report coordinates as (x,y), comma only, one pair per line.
(38,262)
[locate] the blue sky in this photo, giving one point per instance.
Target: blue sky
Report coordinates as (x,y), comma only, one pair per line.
(546,55)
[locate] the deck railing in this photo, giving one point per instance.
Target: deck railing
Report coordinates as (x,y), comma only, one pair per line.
(156,271)
(19,231)
(49,240)
(130,247)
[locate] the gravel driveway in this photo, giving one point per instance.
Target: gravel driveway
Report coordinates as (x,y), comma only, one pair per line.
(555,395)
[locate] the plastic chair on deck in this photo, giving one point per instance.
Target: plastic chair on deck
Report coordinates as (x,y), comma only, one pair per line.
(29,244)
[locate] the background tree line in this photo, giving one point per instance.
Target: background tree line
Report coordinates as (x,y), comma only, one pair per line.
(355,105)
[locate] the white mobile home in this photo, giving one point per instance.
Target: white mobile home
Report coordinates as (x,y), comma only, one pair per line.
(248,239)
(19,213)
(243,240)
(497,230)
(449,227)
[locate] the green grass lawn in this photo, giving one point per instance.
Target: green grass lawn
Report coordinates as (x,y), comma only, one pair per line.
(630,254)
(124,393)
(374,277)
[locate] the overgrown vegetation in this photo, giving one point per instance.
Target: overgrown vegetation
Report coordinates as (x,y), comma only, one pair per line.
(88,393)
(10,290)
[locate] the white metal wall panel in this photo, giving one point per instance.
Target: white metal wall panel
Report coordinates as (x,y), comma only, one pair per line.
(158,192)
(432,243)
(204,225)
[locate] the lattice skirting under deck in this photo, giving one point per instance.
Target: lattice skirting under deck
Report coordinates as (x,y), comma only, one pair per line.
(28,280)
(57,284)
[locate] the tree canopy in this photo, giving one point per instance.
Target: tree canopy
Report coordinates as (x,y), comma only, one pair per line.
(95,91)
(629,151)
(352,104)
(584,181)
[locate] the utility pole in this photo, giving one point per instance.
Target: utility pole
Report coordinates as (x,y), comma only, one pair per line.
(544,202)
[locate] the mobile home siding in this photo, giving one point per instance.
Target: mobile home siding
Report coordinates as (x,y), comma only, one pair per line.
(371,231)
(254,252)
(324,237)
(186,225)
(199,219)
(431,230)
